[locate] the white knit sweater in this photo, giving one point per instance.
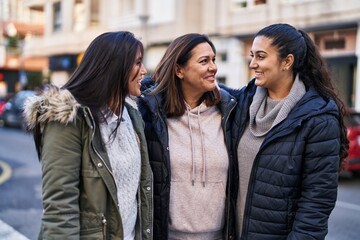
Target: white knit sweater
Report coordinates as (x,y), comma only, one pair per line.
(125,160)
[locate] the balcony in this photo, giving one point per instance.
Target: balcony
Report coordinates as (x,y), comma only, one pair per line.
(244,21)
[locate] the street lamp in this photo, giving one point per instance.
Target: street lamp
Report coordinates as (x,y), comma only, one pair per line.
(144,19)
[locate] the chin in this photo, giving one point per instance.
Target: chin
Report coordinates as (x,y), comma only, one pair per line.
(258,82)
(135,93)
(212,88)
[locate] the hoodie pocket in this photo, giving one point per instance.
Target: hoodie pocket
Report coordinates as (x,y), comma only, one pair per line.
(196,209)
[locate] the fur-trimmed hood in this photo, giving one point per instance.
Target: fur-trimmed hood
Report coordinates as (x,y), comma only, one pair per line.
(53,104)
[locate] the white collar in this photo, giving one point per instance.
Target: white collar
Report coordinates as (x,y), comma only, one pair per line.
(114,118)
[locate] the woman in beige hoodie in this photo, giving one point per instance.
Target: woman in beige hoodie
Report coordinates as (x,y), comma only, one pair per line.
(186,126)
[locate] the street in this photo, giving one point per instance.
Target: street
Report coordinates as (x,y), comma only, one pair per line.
(20,184)
(20,193)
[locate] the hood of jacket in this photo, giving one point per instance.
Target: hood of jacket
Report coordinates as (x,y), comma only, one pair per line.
(53,104)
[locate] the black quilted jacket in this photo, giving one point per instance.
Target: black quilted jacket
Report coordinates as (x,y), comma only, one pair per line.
(157,139)
(293,183)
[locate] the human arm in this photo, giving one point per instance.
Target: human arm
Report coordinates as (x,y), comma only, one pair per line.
(237,92)
(233,91)
(61,160)
(319,181)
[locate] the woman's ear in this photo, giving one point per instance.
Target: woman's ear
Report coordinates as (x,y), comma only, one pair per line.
(288,62)
(178,72)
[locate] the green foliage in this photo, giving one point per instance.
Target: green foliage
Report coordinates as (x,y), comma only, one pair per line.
(13,42)
(34,80)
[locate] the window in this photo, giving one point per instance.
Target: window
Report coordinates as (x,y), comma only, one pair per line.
(335,44)
(242,4)
(94,12)
(221,79)
(79,16)
(221,56)
(248,3)
(57,21)
(259,2)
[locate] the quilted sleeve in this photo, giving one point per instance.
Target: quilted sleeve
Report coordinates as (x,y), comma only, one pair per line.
(320,180)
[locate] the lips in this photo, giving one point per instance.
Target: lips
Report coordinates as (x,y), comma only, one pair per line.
(210,78)
(258,74)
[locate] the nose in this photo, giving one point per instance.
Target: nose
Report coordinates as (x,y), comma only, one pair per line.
(253,64)
(143,70)
(212,66)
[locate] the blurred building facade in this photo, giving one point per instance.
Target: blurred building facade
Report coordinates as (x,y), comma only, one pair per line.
(70,25)
(16,24)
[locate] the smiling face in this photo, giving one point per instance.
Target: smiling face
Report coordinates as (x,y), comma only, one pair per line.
(137,72)
(198,75)
(271,72)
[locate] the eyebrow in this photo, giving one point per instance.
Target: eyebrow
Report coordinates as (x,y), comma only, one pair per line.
(258,51)
(206,56)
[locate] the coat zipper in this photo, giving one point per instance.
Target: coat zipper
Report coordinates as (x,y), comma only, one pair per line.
(104,223)
(229,177)
(248,200)
(139,212)
(92,145)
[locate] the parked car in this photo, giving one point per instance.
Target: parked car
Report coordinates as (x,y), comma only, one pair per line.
(352,123)
(2,105)
(12,116)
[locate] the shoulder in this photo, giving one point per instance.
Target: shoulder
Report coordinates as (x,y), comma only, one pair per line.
(227,101)
(239,93)
(53,104)
(314,105)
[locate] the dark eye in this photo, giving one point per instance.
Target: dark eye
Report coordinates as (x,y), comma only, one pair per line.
(204,61)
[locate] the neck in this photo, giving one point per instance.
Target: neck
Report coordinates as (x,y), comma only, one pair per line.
(192,98)
(193,101)
(281,91)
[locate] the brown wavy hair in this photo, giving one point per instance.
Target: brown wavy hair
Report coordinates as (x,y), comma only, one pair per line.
(178,53)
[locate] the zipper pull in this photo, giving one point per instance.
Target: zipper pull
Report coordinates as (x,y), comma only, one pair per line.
(104,222)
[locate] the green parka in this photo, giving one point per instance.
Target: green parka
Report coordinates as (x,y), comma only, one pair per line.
(79,191)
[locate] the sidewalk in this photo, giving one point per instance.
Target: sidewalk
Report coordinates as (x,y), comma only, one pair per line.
(8,233)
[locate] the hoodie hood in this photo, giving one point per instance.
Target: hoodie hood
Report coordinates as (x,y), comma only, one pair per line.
(53,104)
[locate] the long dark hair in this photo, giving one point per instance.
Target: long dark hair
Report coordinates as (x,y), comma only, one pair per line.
(178,53)
(310,66)
(101,80)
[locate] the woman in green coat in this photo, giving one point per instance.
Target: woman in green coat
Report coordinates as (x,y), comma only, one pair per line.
(97,181)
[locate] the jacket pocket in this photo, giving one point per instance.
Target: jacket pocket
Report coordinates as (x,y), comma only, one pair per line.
(91,226)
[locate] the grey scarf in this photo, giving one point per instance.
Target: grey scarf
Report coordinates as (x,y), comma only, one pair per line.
(262,119)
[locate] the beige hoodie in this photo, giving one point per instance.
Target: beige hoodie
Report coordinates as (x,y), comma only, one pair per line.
(199,166)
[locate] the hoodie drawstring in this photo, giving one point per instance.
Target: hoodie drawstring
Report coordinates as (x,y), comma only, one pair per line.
(192,148)
(203,177)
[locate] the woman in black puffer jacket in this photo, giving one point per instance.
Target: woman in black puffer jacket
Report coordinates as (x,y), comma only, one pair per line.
(289,138)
